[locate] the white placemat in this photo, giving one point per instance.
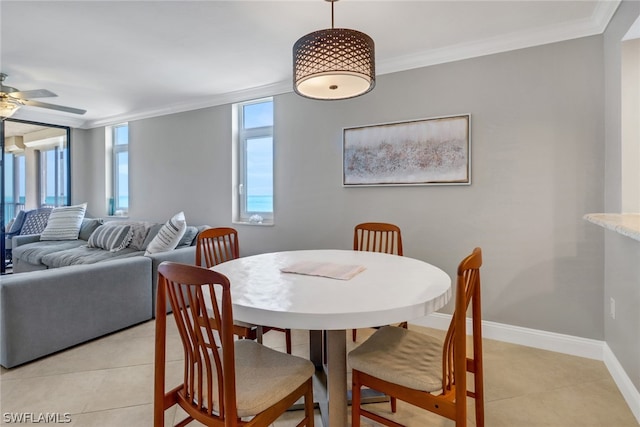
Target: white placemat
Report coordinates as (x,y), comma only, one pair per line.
(324,269)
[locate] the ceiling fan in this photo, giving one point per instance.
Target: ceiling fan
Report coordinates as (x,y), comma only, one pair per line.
(11,99)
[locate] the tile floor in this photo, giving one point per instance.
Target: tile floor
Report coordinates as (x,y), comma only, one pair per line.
(109,383)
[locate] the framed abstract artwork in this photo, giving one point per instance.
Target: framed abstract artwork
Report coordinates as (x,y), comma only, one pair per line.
(434,151)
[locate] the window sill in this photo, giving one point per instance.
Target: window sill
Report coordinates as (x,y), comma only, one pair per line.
(625,224)
(259,224)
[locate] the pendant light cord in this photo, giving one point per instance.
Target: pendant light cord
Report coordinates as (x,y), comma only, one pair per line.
(332,14)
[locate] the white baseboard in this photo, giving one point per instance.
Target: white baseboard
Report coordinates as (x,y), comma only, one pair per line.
(560,343)
(622,380)
(567,344)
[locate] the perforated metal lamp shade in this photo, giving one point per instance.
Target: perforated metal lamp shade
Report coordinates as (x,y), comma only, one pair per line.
(335,63)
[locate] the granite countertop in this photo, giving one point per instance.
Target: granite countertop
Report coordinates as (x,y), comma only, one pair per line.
(625,224)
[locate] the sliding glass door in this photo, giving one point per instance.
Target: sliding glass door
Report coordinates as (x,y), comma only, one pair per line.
(35,169)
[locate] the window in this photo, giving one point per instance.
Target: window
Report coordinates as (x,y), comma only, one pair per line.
(14,184)
(54,176)
(120,144)
(254,196)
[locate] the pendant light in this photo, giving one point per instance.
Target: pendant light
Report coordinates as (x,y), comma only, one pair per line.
(336,63)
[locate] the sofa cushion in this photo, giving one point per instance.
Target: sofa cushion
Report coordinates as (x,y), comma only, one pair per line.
(88,226)
(17,223)
(111,237)
(169,235)
(32,253)
(85,255)
(64,223)
(35,221)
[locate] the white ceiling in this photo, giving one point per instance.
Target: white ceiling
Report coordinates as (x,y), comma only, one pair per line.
(125,60)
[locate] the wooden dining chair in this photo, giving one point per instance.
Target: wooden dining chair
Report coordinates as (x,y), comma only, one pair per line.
(422,370)
(377,237)
(225,382)
(220,244)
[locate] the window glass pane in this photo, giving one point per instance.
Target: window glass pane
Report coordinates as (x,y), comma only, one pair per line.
(119,201)
(122,180)
(8,179)
(258,115)
(53,179)
(9,200)
(121,135)
(259,174)
(21,178)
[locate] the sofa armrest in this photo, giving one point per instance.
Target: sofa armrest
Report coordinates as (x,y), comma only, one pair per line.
(24,239)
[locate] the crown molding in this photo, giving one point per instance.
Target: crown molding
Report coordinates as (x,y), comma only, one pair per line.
(222,99)
(596,24)
(43,116)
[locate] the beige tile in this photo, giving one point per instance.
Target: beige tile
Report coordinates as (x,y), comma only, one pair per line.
(139,415)
(512,370)
(597,404)
(63,393)
(123,387)
(109,382)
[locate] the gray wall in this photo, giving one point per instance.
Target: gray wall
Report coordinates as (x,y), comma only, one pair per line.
(537,132)
(622,255)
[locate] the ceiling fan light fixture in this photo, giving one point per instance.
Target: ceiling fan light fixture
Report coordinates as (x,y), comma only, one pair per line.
(335,63)
(7,108)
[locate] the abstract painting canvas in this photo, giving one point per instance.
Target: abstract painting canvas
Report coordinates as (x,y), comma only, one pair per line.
(435,151)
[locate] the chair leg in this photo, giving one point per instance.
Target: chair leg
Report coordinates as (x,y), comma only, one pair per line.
(308,404)
(479,392)
(394,404)
(287,337)
(355,399)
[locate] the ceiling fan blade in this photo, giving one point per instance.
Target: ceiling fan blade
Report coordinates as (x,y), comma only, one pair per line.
(53,107)
(36,93)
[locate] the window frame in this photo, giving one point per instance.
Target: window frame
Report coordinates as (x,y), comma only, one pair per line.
(115,208)
(242,135)
(61,174)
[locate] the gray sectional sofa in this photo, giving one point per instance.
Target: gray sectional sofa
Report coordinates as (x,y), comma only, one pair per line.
(63,293)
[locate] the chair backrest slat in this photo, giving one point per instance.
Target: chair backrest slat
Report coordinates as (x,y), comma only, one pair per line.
(216,245)
(207,336)
(377,237)
(467,289)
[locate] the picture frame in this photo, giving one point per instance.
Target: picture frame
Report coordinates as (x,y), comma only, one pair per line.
(432,151)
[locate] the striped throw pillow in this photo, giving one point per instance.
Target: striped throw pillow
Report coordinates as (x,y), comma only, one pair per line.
(169,235)
(112,238)
(64,223)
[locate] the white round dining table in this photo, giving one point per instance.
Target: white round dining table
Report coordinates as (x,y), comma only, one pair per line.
(384,289)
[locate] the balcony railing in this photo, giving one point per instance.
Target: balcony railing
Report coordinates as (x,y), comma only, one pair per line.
(11,210)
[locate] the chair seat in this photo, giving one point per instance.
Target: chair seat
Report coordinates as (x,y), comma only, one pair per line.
(265,376)
(401,356)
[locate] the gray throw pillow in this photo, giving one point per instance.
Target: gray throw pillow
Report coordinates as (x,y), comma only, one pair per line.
(88,226)
(17,223)
(110,237)
(139,230)
(190,233)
